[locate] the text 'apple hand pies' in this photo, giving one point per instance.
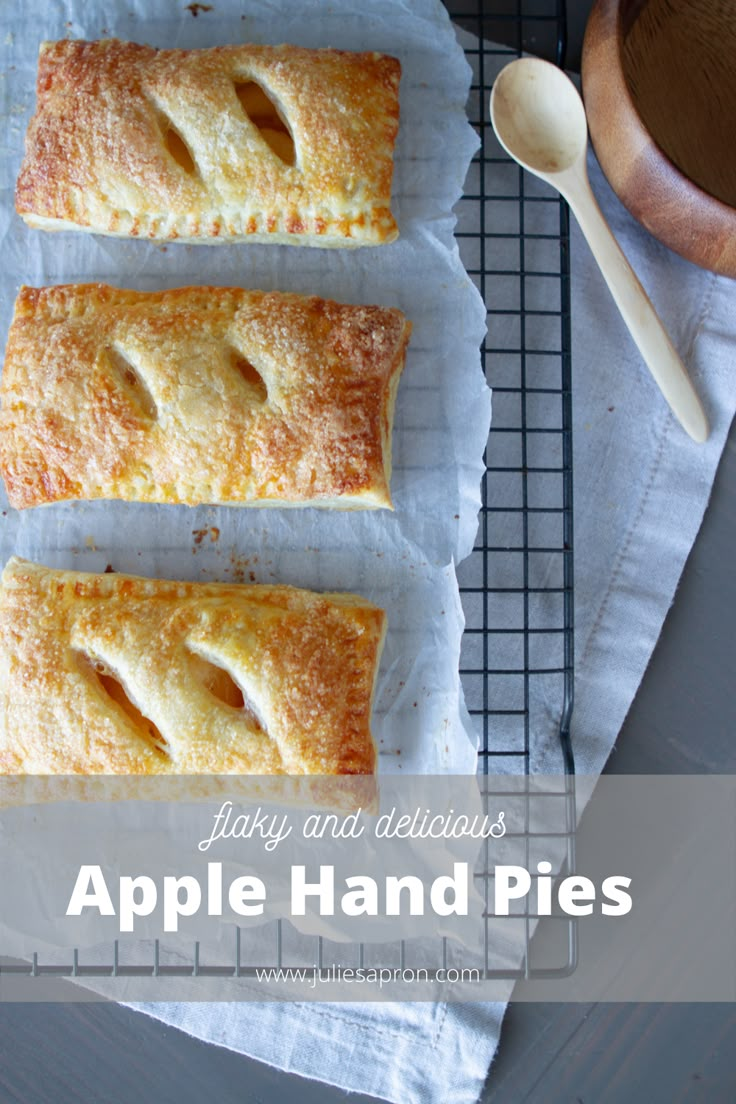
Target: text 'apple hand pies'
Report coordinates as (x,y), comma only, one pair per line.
(236,143)
(114,674)
(199,395)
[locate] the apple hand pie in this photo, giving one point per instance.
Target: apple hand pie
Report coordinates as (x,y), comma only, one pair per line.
(199,395)
(236,143)
(114,674)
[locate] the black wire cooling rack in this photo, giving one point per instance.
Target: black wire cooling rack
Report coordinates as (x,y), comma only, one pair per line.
(513,234)
(517,585)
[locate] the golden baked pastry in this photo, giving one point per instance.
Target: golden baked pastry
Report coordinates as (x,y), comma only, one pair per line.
(113,674)
(237,143)
(199,395)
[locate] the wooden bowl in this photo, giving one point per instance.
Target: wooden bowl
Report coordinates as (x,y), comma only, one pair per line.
(659,84)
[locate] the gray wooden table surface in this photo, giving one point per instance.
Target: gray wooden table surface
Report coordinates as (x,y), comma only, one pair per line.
(683,720)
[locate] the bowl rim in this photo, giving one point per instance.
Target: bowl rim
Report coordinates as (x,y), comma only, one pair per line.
(610,15)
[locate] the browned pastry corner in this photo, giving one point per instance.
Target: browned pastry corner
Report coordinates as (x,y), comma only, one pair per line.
(237,143)
(114,674)
(199,395)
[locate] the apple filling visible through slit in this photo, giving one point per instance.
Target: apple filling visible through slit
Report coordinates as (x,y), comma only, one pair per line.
(264,114)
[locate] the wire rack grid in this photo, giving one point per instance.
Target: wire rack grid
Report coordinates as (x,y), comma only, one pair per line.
(517,585)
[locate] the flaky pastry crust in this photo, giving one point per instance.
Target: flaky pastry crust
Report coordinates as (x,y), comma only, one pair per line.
(114,674)
(237,143)
(198,395)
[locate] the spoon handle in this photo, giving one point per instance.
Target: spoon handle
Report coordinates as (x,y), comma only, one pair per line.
(638,313)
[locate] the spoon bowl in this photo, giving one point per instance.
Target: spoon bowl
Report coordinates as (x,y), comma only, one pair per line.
(538,116)
(540,121)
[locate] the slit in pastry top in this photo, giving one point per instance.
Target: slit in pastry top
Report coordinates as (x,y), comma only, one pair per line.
(268,118)
(199,396)
(255,143)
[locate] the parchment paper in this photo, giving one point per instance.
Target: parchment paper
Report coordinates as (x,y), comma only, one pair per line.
(402,560)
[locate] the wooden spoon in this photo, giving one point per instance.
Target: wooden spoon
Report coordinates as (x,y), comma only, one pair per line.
(539,119)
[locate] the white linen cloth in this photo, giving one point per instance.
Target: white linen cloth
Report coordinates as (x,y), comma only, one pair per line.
(641,487)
